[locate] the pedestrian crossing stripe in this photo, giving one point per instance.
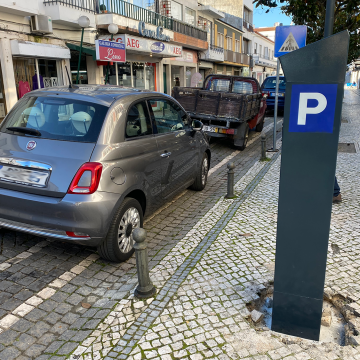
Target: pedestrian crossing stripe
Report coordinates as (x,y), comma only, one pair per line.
(289,44)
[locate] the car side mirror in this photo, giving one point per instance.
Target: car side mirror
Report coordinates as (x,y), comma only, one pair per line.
(197,125)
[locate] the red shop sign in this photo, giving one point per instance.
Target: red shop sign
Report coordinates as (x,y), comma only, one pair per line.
(110,51)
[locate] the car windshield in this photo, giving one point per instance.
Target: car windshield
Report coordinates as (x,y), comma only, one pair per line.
(217,84)
(56,118)
(270,83)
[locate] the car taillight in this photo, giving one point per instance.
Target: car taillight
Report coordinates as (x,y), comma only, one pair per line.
(265,93)
(76,234)
(86,180)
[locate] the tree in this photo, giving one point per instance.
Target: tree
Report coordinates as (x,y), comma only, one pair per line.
(312,14)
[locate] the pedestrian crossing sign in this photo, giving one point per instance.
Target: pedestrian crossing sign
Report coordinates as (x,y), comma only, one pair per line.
(289,38)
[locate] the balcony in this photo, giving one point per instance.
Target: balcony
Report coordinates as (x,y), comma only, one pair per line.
(235,57)
(248,26)
(19,7)
(213,53)
(67,12)
(264,60)
(138,13)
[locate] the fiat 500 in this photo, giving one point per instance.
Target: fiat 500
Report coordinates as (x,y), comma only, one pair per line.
(86,163)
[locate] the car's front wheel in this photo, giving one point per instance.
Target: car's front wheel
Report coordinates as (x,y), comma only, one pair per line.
(201,175)
(118,244)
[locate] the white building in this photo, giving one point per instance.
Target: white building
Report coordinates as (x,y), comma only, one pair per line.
(263,57)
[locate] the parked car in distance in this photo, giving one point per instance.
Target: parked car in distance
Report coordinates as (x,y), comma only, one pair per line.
(268,88)
(87,163)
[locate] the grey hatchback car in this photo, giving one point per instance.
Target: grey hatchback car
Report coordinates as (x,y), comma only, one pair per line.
(86,163)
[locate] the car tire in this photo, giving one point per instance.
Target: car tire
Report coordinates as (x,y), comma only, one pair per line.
(260,126)
(201,175)
(246,131)
(128,216)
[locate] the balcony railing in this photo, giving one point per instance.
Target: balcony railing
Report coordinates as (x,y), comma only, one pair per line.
(248,25)
(135,12)
(264,60)
(85,5)
(213,53)
(215,48)
(236,57)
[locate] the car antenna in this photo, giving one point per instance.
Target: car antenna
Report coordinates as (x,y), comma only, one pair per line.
(71,86)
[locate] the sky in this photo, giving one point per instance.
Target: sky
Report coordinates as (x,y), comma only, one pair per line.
(261,19)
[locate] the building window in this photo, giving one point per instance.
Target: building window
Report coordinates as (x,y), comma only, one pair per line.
(176,10)
(220,40)
(255,48)
(237,46)
(229,43)
(190,16)
(246,44)
(260,52)
(247,15)
(266,52)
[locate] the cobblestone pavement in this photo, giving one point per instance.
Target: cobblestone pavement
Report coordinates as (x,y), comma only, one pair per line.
(209,257)
(43,283)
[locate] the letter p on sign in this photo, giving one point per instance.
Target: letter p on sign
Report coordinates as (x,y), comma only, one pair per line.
(313,108)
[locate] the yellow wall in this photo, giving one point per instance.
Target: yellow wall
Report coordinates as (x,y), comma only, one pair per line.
(216,35)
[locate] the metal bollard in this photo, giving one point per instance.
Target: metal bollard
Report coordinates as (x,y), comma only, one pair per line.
(263,146)
(145,289)
(230,184)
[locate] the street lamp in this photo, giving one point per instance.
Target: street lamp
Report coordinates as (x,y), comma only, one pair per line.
(112,29)
(83,22)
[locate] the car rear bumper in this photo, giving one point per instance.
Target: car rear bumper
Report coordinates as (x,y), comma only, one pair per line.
(51,217)
(270,103)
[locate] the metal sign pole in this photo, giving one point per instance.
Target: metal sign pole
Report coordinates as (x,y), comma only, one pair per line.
(276,105)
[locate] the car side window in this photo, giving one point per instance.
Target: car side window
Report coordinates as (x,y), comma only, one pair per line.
(168,116)
(138,122)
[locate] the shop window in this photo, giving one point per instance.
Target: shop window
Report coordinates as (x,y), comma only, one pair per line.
(124,74)
(190,16)
(176,10)
(74,61)
(138,122)
(168,116)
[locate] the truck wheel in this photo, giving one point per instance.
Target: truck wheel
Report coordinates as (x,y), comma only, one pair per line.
(260,126)
(244,136)
(118,244)
(201,175)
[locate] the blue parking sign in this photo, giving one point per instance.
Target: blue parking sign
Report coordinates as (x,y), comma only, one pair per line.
(313,108)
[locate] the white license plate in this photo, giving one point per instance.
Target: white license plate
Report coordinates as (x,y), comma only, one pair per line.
(280,94)
(23,176)
(212,129)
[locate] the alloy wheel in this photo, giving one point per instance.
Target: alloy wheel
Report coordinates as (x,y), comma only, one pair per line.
(129,221)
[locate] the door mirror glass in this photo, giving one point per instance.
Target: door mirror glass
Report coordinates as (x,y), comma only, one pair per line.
(197,125)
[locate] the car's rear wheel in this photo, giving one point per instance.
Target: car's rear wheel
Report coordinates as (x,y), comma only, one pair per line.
(118,244)
(202,174)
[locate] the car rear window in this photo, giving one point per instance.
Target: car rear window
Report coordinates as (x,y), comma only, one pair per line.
(217,84)
(242,87)
(270,83)
(57,118)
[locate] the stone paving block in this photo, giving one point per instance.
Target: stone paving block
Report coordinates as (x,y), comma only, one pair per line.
(9,353)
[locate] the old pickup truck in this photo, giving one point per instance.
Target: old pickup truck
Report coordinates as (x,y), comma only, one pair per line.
(228,106)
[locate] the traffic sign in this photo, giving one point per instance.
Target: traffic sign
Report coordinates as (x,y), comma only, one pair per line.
(289,38)
(313,108)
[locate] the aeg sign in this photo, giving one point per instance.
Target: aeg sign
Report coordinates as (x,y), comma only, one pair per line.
(313,108)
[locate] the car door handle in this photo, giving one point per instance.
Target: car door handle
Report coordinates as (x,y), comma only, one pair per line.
(165,154)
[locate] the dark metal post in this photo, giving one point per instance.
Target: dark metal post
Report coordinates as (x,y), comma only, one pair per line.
(108,64)
(263,146)
(145,289)
(329,18)
(78,70)
(230,184)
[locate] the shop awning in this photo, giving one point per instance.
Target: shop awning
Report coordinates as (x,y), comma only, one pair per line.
(85,49)
(39,50)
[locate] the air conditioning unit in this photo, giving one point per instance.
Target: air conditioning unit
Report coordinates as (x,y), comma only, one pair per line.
(41,24)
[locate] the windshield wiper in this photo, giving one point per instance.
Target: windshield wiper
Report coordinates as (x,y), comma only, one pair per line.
(24,130)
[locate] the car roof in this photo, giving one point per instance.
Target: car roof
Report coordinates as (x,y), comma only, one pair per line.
(101,94)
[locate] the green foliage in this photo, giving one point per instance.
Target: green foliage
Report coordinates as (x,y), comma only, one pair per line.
(312,14)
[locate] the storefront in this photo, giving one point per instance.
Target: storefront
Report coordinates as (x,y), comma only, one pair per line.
(143,68)
(27,66)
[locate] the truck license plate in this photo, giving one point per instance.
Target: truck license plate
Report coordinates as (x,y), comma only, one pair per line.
(212,129)
(23,176)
